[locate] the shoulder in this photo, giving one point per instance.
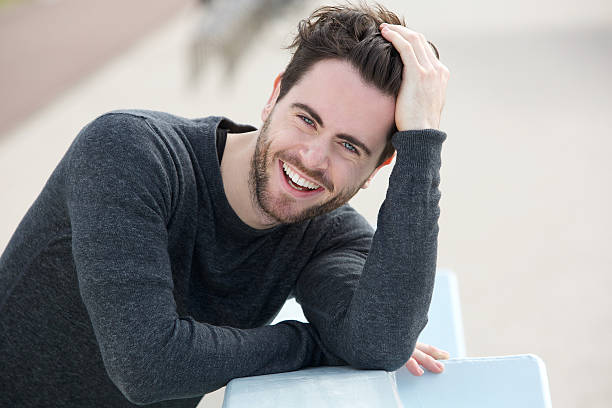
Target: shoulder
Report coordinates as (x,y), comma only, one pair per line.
(139,134)
(122,145)
(132,123)
(164,119)
(153,119)
(114,128)
(119,159)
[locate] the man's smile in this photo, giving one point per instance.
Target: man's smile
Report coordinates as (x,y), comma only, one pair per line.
(296,183)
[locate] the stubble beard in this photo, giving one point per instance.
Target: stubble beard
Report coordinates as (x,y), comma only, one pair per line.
(278,210)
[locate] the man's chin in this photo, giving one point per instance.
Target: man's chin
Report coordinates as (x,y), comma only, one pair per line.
(286,213)
(282,216)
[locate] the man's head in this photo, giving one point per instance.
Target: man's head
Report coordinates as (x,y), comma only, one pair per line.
(352,34)
(328,121)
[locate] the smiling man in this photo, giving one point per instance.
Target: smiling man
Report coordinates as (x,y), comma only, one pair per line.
(317,147)
(147,270)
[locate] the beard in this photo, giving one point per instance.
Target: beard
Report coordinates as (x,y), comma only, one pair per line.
(282,209)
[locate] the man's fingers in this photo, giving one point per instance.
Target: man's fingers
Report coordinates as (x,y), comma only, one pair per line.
(414,368)
(421,49)
(428,361)
(423,89)
(419,358)
(405,49)
(435,352)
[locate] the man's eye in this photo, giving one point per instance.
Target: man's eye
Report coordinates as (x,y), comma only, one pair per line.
(349,146)
(307,120)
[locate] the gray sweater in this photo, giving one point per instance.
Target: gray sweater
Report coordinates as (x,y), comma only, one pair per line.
(131,280)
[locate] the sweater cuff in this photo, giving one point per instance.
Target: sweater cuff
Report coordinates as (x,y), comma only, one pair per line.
(419,148)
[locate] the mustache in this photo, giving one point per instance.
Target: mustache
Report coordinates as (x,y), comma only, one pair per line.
(318,176)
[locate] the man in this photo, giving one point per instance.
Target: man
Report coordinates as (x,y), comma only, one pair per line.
(147,269)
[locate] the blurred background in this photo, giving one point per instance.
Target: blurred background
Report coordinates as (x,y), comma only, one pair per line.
(526,175)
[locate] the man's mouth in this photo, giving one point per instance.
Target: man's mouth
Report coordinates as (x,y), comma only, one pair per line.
(298,181)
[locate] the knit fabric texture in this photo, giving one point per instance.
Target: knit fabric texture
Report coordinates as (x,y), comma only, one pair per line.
(131,280)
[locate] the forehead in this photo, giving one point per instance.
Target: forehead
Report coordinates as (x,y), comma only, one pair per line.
(346,104)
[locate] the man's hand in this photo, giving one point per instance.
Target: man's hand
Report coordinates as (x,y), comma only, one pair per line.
(426,355)
(423,90)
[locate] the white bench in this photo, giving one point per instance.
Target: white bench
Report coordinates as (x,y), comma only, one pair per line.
(507,381)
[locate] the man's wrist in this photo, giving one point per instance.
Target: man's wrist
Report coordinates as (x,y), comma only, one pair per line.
(414,125)
(421,127)
(419,147)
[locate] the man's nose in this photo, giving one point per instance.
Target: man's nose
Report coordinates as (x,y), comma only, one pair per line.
(315,154)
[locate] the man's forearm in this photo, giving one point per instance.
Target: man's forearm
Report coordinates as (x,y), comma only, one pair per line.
(200,358)
(389,308)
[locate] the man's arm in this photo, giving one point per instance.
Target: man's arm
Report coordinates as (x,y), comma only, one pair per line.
(120,197)
(369,310)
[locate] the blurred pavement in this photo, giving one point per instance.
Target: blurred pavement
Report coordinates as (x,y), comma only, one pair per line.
(49,45)
(526,176)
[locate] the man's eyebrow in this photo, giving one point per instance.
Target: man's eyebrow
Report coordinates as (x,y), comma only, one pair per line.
(315,116)
(310,111)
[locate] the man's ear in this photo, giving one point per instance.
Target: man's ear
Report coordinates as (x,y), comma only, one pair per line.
(366,184)
(273,97)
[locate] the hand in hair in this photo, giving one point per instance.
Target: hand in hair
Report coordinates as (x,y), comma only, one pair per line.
(423,90)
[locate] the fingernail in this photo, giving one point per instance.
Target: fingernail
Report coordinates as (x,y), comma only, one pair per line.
(421,371)
(439,365)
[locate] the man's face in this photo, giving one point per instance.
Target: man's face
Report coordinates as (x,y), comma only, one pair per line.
(320,143)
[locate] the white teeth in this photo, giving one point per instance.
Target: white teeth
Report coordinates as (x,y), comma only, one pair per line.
(297,179)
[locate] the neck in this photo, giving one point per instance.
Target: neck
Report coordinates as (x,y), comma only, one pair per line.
(236,173)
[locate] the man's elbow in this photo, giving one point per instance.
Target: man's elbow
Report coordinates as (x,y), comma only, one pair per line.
(155,382)
(380,353)
(380,349)
(387,363)
(136,392)
(139,385)
(382,357)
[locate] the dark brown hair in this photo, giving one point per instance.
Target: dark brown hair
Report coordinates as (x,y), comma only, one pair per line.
(350,33)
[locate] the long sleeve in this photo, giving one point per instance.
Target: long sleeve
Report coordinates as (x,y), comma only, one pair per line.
(121,193)
(368,297)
